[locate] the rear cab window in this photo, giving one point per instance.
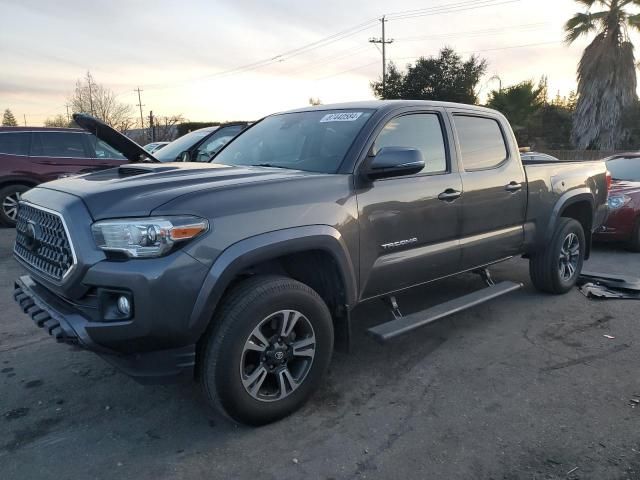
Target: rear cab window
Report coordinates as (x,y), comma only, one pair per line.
(482,143)
(14,143)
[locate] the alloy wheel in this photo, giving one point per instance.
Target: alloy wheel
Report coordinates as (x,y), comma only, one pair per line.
(569,257)
(277,355)
(10,205)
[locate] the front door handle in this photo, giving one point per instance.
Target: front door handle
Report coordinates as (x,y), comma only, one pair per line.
(449,195)
(513,187)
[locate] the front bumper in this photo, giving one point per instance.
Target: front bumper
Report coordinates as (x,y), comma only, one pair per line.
(68,325)
(619,225)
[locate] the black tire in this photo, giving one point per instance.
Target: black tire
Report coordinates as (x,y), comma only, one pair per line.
(223,352)
(545,266)
(634,243)
(8,196)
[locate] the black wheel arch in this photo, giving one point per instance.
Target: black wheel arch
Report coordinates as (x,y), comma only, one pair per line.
(317,248)
(576,204)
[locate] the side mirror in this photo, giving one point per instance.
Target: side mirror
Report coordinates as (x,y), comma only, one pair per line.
(395,162)
(185,156)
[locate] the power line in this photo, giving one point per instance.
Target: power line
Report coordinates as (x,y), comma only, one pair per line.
(479,33)
(323,42)
(449,8)
(462,53)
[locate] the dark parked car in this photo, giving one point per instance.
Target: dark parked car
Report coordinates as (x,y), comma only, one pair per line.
(249,267)
(623,222)
(30,156)
(200,145)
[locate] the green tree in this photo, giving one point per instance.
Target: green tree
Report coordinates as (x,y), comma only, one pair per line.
(519,102)
(606,73)
(445,77)
(8,120)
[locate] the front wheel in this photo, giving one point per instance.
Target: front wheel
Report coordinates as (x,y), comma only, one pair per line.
(557,268)
(268,349)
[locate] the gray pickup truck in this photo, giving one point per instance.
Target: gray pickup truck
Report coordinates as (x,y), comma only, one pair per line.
(242,273)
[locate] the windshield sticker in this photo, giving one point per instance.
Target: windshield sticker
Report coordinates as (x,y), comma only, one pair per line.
(341,117)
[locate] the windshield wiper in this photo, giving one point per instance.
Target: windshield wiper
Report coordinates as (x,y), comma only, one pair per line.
(271,165)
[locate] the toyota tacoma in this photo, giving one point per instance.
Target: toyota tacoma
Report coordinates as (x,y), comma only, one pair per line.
(243,272)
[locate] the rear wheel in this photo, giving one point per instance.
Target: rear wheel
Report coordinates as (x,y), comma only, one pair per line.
(269,347)
(9,199)
(557,268)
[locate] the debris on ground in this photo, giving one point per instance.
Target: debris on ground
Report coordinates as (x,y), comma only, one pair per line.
(603,286)
(610,337)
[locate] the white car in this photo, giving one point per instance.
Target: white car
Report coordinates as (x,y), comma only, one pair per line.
(155,146)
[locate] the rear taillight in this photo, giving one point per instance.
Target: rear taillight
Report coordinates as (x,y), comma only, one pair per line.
(608,177)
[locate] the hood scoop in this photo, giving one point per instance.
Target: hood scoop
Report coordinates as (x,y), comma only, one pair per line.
(133,171)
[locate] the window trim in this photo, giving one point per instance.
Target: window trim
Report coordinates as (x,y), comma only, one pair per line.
(445,138)
(502,163)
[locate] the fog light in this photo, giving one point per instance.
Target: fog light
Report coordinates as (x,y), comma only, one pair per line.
(124,305)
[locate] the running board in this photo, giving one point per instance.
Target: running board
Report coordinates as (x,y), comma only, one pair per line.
(387,331)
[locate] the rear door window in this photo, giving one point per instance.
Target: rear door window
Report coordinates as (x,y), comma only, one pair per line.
(58,145)
(482,144)
(14,143)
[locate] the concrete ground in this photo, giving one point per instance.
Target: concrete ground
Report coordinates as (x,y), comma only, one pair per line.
(525,387)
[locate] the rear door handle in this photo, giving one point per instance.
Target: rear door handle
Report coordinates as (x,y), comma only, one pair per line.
(449,195)
(513,187)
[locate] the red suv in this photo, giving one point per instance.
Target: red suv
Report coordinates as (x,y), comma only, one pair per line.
(29,156)
(623,222)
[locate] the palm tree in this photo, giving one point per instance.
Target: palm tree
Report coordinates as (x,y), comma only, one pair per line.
(606,73)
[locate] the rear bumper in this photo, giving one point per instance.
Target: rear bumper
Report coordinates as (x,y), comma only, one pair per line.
(68,325)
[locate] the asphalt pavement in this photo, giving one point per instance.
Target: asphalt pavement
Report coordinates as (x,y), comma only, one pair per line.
(524,387)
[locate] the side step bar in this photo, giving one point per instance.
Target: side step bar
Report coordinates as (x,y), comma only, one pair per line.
(387,331)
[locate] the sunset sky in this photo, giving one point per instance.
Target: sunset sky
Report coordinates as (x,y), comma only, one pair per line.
(185,55)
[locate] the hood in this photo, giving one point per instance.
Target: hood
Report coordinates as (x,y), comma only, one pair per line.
(130,149)
(136,190)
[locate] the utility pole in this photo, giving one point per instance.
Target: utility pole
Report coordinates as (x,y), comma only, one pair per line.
(90,94)
(151,126)
(140,105)
(68,117)
(383,40)
(24,115)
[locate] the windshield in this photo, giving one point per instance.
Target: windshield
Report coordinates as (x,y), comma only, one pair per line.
(625,169)
(314,141)
(172,151)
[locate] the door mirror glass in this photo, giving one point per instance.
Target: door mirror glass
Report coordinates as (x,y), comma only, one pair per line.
(395,162)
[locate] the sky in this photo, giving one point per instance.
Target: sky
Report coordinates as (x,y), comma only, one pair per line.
(223,60)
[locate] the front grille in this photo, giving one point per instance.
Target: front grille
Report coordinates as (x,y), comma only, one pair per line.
(42,242)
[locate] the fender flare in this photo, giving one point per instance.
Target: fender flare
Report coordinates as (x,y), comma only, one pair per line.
(566,200)
(264,247)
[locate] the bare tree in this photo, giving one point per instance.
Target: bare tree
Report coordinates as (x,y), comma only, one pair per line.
(101,102)
(165,127)
(57,121)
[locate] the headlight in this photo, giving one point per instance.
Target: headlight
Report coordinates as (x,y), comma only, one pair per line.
(146,237)
(618,201)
